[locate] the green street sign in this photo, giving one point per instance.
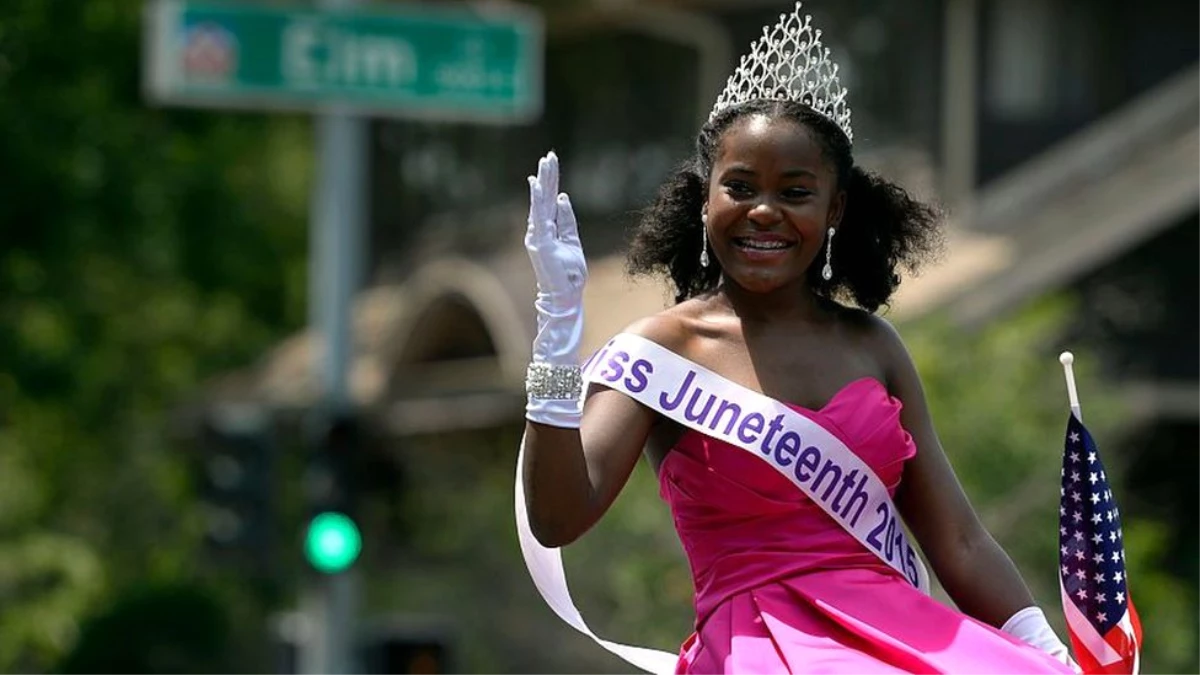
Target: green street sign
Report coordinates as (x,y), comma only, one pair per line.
(464,63)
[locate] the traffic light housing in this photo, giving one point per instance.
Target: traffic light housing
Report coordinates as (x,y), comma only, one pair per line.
(234,475)
(398,646)
(391,644)
(332,540)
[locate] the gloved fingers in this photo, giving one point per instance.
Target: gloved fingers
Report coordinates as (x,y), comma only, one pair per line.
(548,177)
(568,226)
(531,222)
(541,215)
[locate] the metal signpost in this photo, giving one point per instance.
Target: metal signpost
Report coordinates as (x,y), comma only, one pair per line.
(344,61)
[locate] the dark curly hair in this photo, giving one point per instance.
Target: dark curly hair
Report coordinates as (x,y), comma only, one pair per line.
(882,228)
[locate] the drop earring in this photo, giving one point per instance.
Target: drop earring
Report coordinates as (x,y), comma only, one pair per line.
(704,240)
(827,271)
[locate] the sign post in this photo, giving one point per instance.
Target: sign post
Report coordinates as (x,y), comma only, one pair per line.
(337,226)
(344,61)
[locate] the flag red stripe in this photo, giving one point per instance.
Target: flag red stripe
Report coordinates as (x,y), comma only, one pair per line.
(1123,667)
(1133,617)
(1121,641)
(1083,656)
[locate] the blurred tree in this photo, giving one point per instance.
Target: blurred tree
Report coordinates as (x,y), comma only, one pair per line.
(141,251)
(179,629)
(999,401)
(47,579)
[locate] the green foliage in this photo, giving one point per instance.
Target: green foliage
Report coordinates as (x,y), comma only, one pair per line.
(179,629)
(647,599)
(999,402)
(1166,605)
(459,564)
(141,251)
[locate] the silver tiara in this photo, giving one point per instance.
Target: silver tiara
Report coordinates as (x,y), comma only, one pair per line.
(789,63)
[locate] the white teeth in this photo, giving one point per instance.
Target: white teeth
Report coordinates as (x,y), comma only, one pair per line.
(764,245)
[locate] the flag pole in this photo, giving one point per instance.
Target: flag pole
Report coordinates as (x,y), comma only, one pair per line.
(1067,359)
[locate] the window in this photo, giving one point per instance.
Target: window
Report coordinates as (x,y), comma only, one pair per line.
(1041,59)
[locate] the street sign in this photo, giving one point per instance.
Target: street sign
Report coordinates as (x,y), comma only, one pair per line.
(479,63)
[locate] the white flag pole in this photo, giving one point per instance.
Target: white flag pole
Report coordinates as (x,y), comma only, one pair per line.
(1067,359)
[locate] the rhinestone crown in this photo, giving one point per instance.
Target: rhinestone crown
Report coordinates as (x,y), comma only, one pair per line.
(789,63)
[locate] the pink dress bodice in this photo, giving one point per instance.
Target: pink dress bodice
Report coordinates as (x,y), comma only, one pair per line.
(743,524)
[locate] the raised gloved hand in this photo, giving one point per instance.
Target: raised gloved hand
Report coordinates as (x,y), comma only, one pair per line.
(552,240)
(1030,626)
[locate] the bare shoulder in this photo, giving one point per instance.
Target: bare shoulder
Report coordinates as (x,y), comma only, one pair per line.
(868,326)
(878,336)
(674,328)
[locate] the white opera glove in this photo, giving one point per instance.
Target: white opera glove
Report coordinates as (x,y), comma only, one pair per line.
(553,381)
(1030,626)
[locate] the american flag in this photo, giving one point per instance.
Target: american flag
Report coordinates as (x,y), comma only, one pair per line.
(1104,628)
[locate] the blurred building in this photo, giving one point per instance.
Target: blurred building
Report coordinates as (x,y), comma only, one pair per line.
(1063,134)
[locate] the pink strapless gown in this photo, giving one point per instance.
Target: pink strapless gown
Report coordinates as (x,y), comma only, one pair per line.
(782,588)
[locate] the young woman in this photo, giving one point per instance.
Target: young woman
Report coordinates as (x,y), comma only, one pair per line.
(782,416)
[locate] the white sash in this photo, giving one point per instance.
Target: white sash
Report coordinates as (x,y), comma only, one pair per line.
(546,568)
(804,452)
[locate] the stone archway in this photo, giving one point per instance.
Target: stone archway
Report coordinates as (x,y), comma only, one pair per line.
(457,359)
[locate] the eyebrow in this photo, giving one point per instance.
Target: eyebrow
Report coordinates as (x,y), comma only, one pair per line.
(790,173)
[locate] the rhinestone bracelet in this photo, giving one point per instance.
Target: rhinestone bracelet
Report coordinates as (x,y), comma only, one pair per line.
(544,381)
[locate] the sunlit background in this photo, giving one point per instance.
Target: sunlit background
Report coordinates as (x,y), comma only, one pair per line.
(168,433)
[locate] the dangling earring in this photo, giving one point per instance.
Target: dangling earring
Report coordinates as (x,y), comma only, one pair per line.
(827,271)
(704,240)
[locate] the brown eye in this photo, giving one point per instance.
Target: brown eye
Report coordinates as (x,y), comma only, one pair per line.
(737,189)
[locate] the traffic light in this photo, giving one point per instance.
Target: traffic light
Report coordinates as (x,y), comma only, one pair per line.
(332,540)
(401,647)
(391,644)
(234,470)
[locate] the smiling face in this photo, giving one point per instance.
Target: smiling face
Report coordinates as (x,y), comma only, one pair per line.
(771,199)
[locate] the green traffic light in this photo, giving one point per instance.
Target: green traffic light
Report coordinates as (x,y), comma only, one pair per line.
(332,543)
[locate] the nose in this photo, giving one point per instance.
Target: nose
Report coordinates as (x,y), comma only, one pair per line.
(765,212)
